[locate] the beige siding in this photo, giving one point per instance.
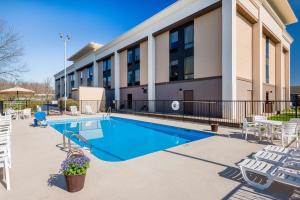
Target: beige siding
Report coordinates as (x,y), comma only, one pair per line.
(208,45)
(112,72)
(144,63)
(162,58)
(100,74)
(244,90)
(244,47)
(123,69)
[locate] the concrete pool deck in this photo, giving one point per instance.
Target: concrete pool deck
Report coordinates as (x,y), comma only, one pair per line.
(204,169)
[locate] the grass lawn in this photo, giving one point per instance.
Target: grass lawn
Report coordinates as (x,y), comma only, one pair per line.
(284,116)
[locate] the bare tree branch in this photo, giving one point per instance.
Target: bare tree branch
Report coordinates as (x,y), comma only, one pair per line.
(10,53)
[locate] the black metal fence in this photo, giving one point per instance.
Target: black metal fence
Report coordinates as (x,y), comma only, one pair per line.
(209,111)
(229,113)
(45,105)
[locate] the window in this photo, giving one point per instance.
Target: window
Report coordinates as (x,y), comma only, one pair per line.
(182,53)
(174,76)
(107,73)
(72,80)
(133,66)
(174,40)
(189,36)
(267,60)
(137,55)
(90,72)
(189,67)
(81,77)
(129,57)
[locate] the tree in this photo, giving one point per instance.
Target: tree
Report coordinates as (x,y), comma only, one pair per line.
(10,53)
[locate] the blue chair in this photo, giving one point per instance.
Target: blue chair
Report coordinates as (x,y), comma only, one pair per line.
(40,119)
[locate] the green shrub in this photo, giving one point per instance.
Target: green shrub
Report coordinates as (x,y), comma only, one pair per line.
(70,102)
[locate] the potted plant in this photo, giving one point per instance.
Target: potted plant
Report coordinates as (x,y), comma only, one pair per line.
(214,127)
(74,168)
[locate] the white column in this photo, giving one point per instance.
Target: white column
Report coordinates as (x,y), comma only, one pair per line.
(117,79)
(279,73)
(288,76)
(258,64)
(96,74)
(151,73)
(229,54)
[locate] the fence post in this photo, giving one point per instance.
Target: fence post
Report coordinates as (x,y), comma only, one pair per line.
(47,106)
(209,114)
(296,112)
(98,106)
(245,109)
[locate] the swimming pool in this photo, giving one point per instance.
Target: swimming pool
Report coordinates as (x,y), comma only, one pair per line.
(119,139)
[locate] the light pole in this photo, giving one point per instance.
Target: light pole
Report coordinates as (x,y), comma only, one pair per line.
(65,38)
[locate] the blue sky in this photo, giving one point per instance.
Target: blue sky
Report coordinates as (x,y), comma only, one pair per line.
(40,22)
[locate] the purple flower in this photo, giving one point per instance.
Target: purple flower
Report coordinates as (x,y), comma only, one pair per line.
(75,165)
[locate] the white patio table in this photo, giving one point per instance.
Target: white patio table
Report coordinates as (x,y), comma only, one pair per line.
(271,124)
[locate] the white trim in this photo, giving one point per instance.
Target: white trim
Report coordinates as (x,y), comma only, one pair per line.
(117,77)
(151,72)
(172,14)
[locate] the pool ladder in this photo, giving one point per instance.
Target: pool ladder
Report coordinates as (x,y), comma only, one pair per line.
(107,114)
(78,136)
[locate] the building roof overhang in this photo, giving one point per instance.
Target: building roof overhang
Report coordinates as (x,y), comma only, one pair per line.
(90,47)
(284,11)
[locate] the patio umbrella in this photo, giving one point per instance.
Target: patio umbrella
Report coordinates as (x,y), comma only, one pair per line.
(17,91)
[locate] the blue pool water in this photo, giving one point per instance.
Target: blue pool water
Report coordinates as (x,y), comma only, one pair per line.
(120,139)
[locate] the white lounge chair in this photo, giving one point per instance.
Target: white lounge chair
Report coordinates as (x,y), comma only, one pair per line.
(270,172)
(74,111)
(269,157)
(88,110)
(5,142)
(4,163)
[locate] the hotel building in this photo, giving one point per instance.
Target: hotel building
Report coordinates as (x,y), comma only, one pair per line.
(193,50)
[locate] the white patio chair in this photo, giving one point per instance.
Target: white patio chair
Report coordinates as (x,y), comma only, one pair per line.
(38,108)
(270,172)
(74,111)
(11,112)
(26,113)
(88,110)
(5,165)
(295,120)
(249,127)
(259,117)
(289,132)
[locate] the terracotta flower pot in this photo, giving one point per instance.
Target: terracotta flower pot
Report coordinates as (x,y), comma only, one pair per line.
(214,127)
(74,182)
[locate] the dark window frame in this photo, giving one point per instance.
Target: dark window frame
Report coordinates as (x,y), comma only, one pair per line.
(178,51)
(106,63)
(267,67)
(133,66)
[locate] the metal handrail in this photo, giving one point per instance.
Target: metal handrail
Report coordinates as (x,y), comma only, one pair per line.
(82,139)
(108,113)
(78,136)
